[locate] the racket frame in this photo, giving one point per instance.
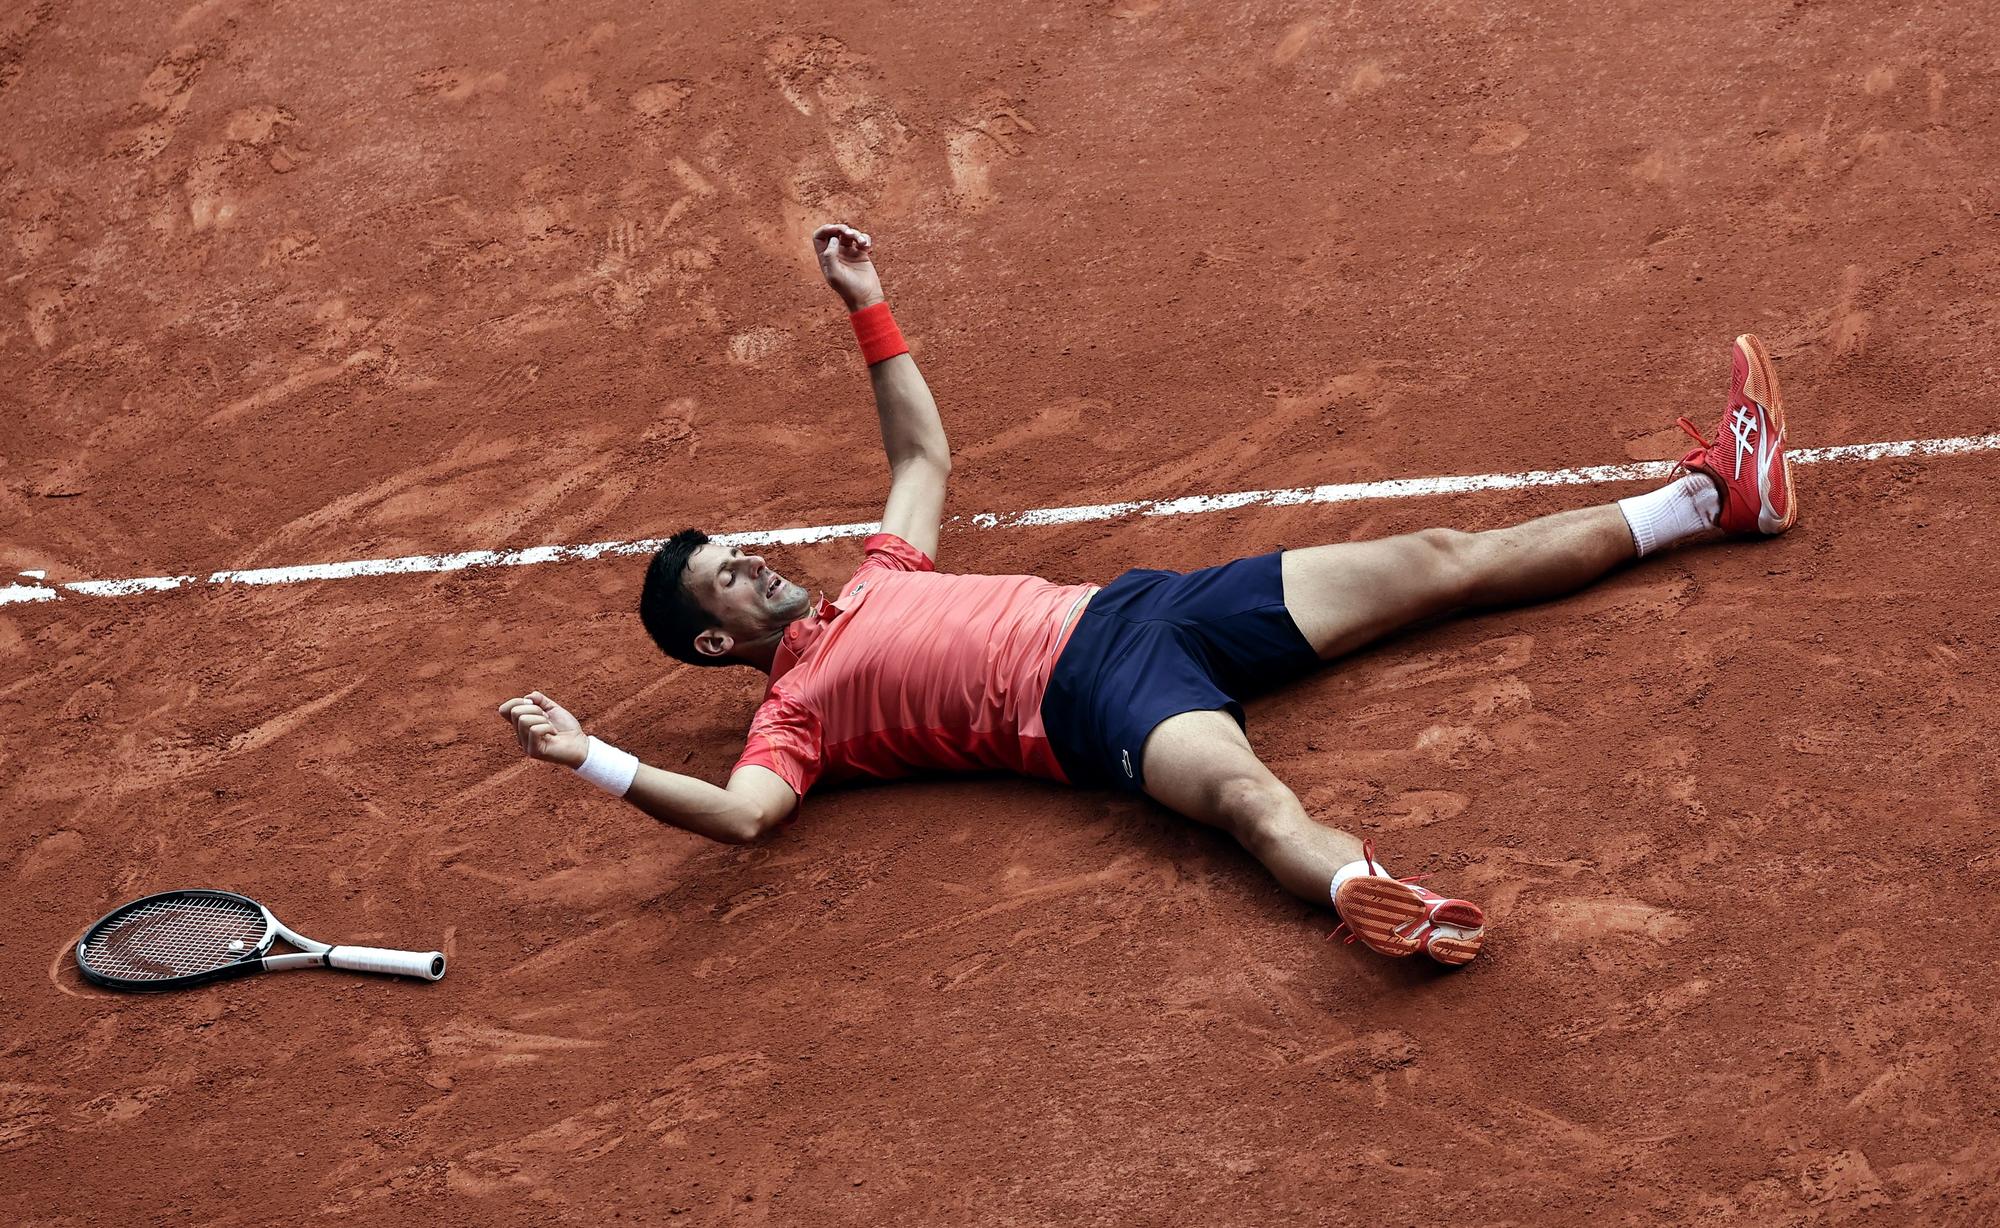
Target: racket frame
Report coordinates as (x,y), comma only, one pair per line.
(424,965)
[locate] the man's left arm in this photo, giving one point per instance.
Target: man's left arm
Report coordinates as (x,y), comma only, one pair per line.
(912,432)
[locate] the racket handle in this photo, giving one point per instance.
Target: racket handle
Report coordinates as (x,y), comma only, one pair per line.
(424,965)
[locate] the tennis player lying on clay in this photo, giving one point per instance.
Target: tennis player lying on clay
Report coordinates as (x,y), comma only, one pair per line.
(1135,685)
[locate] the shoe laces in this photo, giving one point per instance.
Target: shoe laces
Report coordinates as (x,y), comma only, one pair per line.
(1703,444)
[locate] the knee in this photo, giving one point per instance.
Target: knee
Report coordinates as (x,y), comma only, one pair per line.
(1258,810)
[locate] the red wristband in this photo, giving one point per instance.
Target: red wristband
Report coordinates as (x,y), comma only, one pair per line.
(876,330)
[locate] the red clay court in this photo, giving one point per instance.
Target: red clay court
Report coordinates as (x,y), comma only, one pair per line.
(289,284)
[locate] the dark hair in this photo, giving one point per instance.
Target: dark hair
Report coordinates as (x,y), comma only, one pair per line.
(672,615)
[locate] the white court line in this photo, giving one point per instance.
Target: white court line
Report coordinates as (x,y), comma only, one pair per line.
(1350,492)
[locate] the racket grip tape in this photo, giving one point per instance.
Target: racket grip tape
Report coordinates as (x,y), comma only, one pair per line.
(424,965)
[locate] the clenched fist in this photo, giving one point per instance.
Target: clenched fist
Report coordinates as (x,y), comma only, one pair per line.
(847,260)
(545,729)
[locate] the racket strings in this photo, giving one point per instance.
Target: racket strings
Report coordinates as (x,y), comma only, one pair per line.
(176,937)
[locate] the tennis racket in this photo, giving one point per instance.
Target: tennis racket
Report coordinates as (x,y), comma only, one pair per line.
(190,937)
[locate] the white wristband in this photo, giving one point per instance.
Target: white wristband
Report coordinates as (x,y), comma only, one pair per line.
(609,768)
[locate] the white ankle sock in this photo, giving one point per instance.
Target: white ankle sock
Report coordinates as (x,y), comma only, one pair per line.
(1357,869)
(1673,513)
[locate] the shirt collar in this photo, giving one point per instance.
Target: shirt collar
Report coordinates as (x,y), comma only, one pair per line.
(799,638)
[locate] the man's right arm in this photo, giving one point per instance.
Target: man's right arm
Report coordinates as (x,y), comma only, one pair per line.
(755,801)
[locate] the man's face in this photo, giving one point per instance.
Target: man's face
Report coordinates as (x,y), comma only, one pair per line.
(747,600)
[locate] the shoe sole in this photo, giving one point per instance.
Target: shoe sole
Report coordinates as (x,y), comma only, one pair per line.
(1761,386)
(1460,914)
(1455,952)
(1383,913)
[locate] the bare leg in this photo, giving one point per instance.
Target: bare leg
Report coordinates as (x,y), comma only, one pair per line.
(1348,595)
(1200,764)
(1341,597)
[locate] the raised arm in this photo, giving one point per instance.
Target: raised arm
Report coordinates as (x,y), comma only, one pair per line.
(912,433)
(755,800)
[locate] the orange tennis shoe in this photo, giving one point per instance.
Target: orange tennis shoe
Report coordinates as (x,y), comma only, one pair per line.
(1396,917)
(1746,455)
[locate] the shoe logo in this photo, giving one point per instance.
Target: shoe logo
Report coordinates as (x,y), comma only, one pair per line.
(1768,450)
(1743,425)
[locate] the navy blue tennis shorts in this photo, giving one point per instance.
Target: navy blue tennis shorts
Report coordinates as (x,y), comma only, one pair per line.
(1154,644)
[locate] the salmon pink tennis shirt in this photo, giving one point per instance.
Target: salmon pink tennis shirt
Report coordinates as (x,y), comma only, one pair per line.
(911,671)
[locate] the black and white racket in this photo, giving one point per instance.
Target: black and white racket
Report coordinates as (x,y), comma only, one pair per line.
(181,938)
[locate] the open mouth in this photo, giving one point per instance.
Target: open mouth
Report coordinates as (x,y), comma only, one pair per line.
(771,589)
